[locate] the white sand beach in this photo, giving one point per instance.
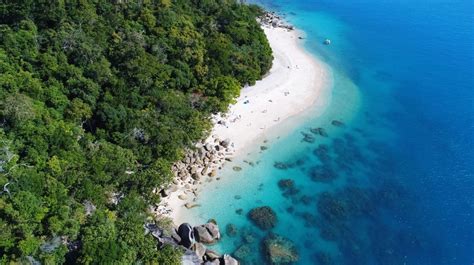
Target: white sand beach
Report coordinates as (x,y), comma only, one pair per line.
(294,84)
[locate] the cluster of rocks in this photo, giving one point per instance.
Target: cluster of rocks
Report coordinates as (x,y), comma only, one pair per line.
(274,20)
(200,164)
(275,249)
(263,217)
(193,241)
(204,160)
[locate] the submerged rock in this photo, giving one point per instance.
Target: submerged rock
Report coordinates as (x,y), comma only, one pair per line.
(231,230)
(286,184)
(264,217)
(243,252)
(280,165)
(279,250)
(337,123)
(288,187)
(322,173)
(322,153)
(308,137)
(324,258)
(236,168)
(319,131)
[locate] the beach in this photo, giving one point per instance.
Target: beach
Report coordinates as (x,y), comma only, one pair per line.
(296,82)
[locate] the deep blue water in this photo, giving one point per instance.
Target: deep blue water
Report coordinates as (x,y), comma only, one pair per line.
(399,186)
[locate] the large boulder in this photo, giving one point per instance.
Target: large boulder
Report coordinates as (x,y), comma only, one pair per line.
(213,262)
(225,143)
(207,233)
(186,233)
(264,217)
(200,250)
(228,260)
(279,250)
(190,258)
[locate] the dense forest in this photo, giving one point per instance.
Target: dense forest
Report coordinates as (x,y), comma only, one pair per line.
(97,100)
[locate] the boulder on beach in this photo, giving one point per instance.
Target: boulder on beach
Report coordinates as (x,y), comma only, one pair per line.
(279,250)
(186,233)
(225,143)
(264,217)
(207,233)
(189,205)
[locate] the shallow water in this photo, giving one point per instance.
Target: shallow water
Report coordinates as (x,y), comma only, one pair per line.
(394,183)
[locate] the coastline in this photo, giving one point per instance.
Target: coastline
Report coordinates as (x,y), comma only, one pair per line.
(296,82)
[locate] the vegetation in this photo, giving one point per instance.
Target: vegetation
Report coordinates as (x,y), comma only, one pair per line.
(97,100)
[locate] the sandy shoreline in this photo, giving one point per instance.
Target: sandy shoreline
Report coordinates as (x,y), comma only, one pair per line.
(295,82)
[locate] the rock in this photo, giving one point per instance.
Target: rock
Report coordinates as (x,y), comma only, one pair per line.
(231,230)
(263,147)
(182,197)
(204,171)
(208,147)
(207,233)
(279,250)
(213,228)
(186,233)
(190,258)
(175,236)
(196,176)
(164,193)
(337,123)
(225,143)
(319,131)
(308,137)
(200,250)
(264,217)
(280,165)
(239,211)
(213,173)
(212,255)
(189,205)
(236,168)
(286,184)
(228,260)
(213,262)
(243,252)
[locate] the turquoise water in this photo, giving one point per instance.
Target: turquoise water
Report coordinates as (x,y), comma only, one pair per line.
(395,184)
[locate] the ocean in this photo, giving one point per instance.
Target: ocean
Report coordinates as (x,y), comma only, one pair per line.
(390,177)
